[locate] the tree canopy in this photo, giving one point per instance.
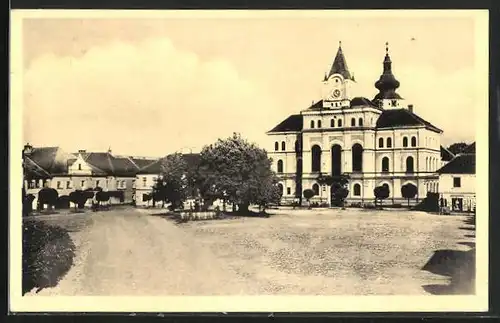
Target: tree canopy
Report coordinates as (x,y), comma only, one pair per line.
(409,191)
(381,192)
(237,171)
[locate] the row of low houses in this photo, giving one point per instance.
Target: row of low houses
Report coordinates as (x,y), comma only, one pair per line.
(131,176)
(135,176)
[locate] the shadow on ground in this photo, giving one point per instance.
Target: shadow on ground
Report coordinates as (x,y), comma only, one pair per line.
(48,254)
(459,266)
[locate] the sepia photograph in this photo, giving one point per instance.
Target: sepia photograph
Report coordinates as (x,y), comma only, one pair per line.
(176,161)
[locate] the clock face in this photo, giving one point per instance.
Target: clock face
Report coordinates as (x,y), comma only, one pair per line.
(336,93)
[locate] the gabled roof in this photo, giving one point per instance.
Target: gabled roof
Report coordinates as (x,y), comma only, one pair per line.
(460,164)
(47,161)
(396,118)
(446,155)
(292,123)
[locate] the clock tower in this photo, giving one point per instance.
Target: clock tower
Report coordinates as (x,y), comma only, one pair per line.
(337,83)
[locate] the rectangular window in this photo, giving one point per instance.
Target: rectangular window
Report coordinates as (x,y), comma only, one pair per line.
(97,183)
(37,184)
(82,184)
(79,166)
(144,197)
(124,184)
(288,191)
(31,184)
(457,182)
(59,185)
(68,184)
(144,181)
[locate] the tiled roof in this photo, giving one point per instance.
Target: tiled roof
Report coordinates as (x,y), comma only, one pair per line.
(460,164)
(446,155)
(395,118)
(471,149)
(316,106)
(292,123)
(48,160)
(361,101)
(157,167)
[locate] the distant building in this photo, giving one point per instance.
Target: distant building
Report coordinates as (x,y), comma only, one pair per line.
(457,181)
(379,141)
(66,172)
(147,177)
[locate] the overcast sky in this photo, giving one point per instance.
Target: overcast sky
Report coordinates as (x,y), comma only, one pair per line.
(154,86)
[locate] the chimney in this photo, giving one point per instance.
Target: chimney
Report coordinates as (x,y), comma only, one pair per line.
(28,149)
(410,107)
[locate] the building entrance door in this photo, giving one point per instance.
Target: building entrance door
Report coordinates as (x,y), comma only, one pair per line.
(457,204)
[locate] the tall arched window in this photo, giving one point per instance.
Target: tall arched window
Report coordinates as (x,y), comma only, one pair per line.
(339,123)
(356,190)
(427,168)
(413,141)
(405,141)
(353,122)
(380,142)
(360,122)
(385,164)
(283,145)
(280,187)
(357,158)
(312,123)
(389,142)
(409,165)
(276,146)
(315,189)
(319,123)
(336,160)
(280,166)
(316,158)
(332,123)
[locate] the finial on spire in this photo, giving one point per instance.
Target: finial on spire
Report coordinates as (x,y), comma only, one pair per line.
(340,43)
(387,47)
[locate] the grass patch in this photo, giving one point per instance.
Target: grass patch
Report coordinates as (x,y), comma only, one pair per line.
(48,254)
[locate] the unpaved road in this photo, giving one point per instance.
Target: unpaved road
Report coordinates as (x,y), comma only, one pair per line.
(133,253)
(130,254)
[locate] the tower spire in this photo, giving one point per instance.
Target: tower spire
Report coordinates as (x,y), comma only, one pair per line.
(339,65)
(387,83)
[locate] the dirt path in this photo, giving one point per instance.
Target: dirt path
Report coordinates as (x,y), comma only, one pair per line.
(129,254)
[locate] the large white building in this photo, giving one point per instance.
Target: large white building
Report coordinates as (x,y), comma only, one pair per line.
(376,142)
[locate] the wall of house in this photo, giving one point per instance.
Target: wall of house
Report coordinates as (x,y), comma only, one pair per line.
(466,191)
(143,185)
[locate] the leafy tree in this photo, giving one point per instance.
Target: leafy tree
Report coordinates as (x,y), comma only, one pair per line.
(381,193)
(308,194)
(47,196)
(269,193)
(101,196)
(457,147)
(338,186)
(27,203)
(409,191)
(79,198)
(235,170)
(173,185)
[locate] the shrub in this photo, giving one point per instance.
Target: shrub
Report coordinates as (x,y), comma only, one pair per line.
(47,256)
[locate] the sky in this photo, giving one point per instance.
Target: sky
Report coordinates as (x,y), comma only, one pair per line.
(154,86)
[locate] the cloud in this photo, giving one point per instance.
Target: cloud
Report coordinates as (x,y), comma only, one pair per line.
(143,98)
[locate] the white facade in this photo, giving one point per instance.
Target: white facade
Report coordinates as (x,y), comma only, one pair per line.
(345,133)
